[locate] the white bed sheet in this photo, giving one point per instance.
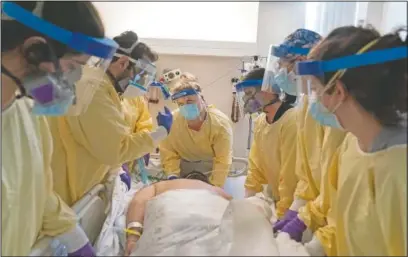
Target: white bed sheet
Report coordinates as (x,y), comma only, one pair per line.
(111,241)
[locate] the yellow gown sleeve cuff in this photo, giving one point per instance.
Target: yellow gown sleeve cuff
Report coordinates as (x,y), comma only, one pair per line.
(158,135)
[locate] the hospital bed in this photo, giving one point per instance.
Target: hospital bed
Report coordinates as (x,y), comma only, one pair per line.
(92,210)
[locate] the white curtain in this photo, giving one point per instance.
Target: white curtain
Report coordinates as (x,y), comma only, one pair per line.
(323,17)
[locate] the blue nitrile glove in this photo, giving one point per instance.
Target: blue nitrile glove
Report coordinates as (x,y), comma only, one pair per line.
(165,120)
(85,251)
(171,177)
(289,215)
(125,177)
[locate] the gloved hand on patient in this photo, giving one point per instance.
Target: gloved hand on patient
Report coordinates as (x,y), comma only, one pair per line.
(295,229)
(166,119)
(289,215)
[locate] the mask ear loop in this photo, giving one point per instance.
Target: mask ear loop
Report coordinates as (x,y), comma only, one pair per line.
(339,74)
(16,80)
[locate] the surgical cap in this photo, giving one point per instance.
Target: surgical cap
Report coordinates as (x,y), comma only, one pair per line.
(302,38)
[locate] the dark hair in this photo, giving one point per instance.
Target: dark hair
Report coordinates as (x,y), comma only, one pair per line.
(290,99)
(79,17)
(197,176)
(127,39)
(380,89)
(256,74)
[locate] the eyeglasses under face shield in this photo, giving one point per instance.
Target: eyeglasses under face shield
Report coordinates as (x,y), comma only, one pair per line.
(143,73)
(246,95)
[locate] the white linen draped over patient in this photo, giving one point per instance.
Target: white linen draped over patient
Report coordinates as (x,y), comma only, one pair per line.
(195,222)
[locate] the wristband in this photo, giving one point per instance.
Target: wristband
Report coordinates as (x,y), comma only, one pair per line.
(134,224)
(133,232)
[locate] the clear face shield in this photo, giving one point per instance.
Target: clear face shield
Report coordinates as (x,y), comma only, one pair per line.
(310,74)
(143,74)
(157,91)
(248,96)
(279,68)
(191,104)
(93,73)
(69,88)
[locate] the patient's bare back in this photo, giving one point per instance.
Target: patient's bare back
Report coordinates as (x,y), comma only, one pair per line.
(167,185)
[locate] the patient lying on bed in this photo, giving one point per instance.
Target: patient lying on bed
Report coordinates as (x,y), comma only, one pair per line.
(179,217)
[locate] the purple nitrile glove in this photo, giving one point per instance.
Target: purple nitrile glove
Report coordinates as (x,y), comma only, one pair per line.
(85,251)
(171,177)
(295,229)
(125,177)
(125,167)
(146,159)
(289,215)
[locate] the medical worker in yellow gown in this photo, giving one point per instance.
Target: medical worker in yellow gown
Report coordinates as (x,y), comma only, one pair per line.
(33,66)
(315,143)
(138,115)
(200,138)
(102,138)
(363,196)
(155,108)
(272,156)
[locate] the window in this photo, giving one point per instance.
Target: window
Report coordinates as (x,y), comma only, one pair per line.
(323,17)
(207,21)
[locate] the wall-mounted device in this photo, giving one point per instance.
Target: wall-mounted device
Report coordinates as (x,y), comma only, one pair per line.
(171,75)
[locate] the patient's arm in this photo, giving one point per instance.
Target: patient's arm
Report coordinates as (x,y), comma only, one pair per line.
(138,204)
(136,212)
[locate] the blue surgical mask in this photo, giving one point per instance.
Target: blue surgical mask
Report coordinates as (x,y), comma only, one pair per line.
(58,108)
(190,111)
(53,95)
(286,81)
(322,115)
